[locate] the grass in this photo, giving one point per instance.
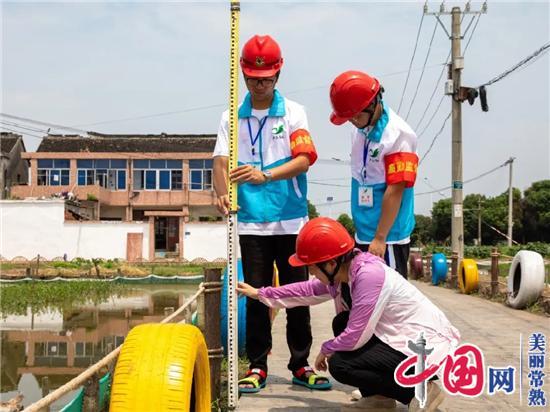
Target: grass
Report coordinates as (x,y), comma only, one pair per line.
(174,270)
(82,267)
(39,297)
(221,404)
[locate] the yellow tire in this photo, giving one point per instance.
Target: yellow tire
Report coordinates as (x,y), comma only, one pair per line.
(468,276)
(158,368)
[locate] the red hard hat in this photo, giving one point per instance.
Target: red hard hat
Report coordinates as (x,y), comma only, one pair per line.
(350,93)
(321,239)
(261,57)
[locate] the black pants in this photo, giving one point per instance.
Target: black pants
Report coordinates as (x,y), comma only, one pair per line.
(396,256)
(369,368)
(258,254)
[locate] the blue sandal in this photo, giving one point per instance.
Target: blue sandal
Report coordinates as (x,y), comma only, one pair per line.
(310,382)
(258,384)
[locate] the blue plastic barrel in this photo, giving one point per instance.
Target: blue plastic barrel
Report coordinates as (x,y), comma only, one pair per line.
(241,312)
(439,268)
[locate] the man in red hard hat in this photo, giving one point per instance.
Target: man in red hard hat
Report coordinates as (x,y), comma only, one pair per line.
(383,167)
(377,318)
(275,151)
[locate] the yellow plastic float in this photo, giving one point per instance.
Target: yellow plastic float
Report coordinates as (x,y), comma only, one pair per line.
(275,282)
(468,276)
(162,367)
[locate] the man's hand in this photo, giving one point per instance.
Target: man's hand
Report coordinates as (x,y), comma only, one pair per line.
(222,203)
(377,247)
(247,174)
(321,362)
(247,290)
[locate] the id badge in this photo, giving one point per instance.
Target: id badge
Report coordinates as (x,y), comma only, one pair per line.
(366,198)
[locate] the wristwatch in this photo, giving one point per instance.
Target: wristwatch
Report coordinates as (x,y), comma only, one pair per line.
(268,176)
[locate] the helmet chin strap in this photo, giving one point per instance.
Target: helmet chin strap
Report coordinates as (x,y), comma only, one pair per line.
(371,112)
(332,275)
(339,260)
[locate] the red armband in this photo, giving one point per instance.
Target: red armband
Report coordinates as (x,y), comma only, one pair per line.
(401,167)
(301,143)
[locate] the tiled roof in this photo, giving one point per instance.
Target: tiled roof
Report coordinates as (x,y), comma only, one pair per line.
(128,143)
(8,141)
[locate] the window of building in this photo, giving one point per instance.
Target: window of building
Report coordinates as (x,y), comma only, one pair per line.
(157,174)
(108,173)
(200,174)
(84,349)
(53,172)
(51,349)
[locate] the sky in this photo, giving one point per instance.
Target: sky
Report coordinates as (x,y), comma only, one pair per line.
(164,67)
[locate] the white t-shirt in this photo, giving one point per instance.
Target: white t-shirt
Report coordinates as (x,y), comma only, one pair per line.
(283,227)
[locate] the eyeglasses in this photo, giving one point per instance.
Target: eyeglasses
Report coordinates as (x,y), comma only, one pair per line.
(253,81)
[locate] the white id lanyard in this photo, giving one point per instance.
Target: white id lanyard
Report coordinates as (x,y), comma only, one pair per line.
(365,195)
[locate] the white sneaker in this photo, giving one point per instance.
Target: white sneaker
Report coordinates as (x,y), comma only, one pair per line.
(356,395)
(370,404)
(435,396)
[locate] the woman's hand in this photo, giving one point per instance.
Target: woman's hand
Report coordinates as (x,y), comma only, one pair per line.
(321,362)
(247,290)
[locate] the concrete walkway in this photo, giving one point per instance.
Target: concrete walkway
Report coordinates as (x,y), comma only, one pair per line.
(494,327)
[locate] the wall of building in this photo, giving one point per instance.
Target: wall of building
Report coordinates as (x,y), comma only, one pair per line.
(206,240)
(18,171)
(31,227)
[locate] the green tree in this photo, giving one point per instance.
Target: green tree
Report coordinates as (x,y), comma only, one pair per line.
(311,210)
(472,202)
(495,213)
(441,220)
(347,222)
(422,233)
(536,207)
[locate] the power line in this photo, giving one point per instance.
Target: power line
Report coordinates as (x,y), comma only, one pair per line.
(435,138)
(470,210)
(469,24)
(340,202)
(23,133)
(439,80)
(329,179)
(32,129)
(471,35)
(434,189)
(326,184)
(51,125)
(518,65)
(334,161)
(466,181)
(193,109)
(423,68)
(148,116)
(431,98)
(412,59)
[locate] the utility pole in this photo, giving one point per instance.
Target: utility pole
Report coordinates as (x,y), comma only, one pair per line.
(454,88)
(457,64)
(329,201)
(510,162)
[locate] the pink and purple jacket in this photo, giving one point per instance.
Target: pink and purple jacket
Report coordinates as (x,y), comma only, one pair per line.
(383,303)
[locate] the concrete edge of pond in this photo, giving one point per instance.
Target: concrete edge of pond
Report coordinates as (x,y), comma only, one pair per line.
(194,279)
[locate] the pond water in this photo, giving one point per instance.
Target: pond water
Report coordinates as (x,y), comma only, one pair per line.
(52,332)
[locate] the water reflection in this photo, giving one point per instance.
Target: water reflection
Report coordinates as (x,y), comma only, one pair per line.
(42,351)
